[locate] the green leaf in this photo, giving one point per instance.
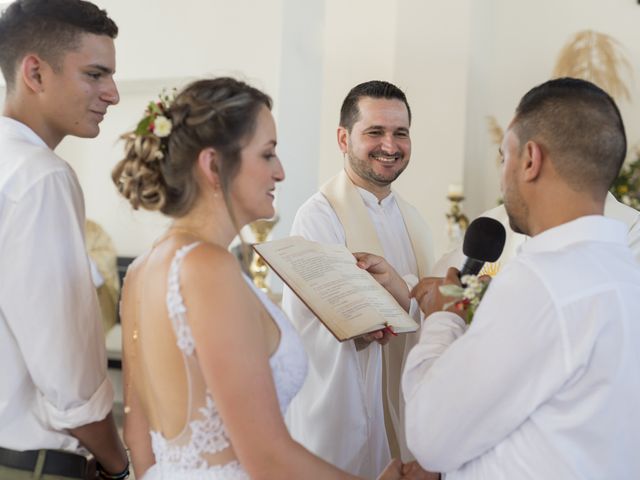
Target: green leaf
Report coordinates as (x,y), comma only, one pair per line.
(469,316)
(154,108)
(143,126)
(454,291)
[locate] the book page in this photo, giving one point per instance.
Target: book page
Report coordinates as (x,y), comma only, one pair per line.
(343,296)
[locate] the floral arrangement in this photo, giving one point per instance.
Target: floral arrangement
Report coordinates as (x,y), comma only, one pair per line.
(466,297)
(626,188)
(156,121)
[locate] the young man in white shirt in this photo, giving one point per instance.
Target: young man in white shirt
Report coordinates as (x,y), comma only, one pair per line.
(545,382)
(58,60)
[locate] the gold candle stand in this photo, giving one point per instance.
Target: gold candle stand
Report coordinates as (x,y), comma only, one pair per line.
(457,222)
(258,268)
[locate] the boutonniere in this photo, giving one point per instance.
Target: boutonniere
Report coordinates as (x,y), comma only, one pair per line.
(466,297)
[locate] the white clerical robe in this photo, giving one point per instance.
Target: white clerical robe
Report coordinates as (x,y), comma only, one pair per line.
(339,413)
(612,209)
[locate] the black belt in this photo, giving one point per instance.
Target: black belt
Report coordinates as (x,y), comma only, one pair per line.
(56,462)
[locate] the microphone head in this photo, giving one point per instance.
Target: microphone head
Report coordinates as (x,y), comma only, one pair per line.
(484,239)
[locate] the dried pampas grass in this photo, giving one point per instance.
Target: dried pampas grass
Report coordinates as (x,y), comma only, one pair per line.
(496,133)
(595,57)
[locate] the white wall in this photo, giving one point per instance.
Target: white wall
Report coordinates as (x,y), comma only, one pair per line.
(457,60)
(359,45)
(299,107)
(432,57)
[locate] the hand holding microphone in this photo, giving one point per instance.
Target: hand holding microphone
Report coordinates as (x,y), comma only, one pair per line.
(483,242)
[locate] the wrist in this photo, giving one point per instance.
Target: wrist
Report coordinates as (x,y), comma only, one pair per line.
(105,475)
(402,294)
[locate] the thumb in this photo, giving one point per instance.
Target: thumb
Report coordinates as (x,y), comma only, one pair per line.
(453,276)
(362,259)
(366,260)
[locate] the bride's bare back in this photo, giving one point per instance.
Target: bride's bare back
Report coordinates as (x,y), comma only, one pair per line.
(163,370)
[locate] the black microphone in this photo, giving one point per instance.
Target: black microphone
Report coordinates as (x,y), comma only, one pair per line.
(483,242)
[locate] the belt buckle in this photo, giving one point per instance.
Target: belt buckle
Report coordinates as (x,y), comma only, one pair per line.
(89,464)
(72,464)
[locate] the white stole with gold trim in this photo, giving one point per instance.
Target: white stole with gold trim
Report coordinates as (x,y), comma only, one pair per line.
(361,236)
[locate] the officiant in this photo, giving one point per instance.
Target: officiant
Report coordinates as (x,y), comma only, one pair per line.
(349,410)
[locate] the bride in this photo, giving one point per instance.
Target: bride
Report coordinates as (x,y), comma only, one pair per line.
(210,363)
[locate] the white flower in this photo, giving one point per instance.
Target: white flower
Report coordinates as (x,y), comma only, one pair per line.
(162,126)
(466,297)
(474,287)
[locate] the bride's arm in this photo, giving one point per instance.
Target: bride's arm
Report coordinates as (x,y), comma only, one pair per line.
(136,436)
(136,426)
(232,348)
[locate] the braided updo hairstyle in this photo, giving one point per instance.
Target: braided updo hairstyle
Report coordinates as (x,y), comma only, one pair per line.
(158,173)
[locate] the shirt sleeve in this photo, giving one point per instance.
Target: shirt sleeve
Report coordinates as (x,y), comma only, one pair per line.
(467,391)
(51,303)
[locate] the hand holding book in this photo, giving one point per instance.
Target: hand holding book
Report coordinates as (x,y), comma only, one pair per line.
(386,276)
(344,297)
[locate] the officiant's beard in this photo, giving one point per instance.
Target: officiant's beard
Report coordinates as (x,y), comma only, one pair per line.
(365,170)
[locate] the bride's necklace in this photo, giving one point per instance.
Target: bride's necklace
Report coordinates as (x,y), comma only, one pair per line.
(173,230)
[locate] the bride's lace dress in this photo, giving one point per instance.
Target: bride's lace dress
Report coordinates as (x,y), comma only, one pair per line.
(183,457)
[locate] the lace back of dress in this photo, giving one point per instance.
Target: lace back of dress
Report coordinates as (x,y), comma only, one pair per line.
(203,433)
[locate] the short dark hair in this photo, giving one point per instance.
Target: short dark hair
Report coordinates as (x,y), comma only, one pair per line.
(350,113)
(580,124)
(48,28)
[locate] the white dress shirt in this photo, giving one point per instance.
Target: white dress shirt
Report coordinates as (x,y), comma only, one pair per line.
(51,342)
(338,414)
(545,383)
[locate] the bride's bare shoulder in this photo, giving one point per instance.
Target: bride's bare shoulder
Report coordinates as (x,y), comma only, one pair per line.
(210,263)
(207,266)
(134,269)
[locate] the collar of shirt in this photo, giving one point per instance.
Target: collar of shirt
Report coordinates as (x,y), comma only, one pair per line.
(591,228)
(371,201)
(20,129)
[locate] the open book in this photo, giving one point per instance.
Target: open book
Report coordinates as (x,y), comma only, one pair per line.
(346,298)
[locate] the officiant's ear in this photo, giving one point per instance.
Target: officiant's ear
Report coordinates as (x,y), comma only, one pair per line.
(343,139)
(208,165)
(533,158)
